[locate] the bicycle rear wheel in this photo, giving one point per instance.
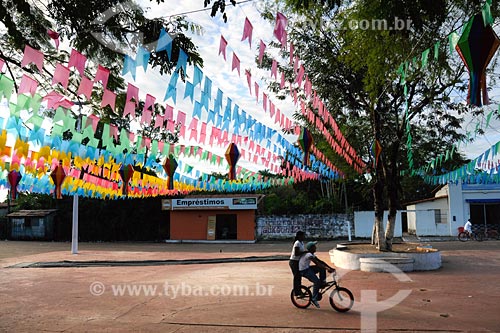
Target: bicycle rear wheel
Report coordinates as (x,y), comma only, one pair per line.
(341,299)
(463,236)
(301,301)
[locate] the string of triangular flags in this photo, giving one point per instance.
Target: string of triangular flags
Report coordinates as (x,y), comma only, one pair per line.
(319,120)
(468,45)
(77,60)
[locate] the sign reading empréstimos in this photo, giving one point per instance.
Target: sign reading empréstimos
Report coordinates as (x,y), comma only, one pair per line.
(211,203)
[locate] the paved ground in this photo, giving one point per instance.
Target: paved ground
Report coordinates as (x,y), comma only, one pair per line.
(237,297)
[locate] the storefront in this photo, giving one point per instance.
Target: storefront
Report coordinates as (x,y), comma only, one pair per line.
(214,218)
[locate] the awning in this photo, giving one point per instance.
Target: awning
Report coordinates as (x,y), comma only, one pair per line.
(483,201)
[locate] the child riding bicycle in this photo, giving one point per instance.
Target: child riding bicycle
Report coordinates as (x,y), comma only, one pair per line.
(309,272)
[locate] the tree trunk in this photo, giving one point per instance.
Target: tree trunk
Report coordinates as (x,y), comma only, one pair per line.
(389,232)
(378,192)
(378,187)
(392,183)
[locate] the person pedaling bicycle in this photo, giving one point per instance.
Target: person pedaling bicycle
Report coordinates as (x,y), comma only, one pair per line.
(309,272)
(297,251)
(468,227)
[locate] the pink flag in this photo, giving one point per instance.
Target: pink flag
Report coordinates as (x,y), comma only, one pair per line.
(92,119)
(2,62)
(222,46)
(181,117)
(282,83)
(150,102)
(280,28)
(300,75)
(52,99)
(61,75)
(278,115)
(28,85)
(203,133)
(102,75)
(292,49)
(169,112)
(262,48)
(132,93)
(247,32)
(146,142)
(236,63)
(77,60)
(32,56)
(264,102)
(55,36)
(146,117)
(249,80)
(256,85)
(129,109)
(108,98)
(158,121)
(274,69)
(194,133)
(308,87)
(272,109)
(170,124)
(194,124)
(65,104)
(85,87)
(113,131)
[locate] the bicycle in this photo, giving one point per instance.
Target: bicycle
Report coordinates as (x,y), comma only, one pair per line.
(491,234)
(465,236)
(341,298)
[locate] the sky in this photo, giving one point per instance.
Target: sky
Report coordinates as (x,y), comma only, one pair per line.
(233,86)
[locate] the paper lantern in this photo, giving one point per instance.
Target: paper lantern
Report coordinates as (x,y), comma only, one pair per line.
(14,178)
(376,150)
(126,172)
(476,47)
(58,175)
(169,166)
(232,157)
(305,142)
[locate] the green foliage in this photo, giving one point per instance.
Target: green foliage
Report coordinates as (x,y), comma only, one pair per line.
(34,201)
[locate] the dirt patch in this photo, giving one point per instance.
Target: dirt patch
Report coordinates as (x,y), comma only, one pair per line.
(396,248)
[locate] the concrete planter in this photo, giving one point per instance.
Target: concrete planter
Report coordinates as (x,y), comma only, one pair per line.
(424,260)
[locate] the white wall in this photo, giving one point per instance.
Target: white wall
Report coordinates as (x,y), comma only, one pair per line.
(459,209)
(363,224)
(422,219)
(426,225)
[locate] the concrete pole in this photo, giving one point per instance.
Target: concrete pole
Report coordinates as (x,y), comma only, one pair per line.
(74,228)
(74,231)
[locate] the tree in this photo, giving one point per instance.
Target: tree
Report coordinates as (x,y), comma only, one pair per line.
(362,84)
(102,30)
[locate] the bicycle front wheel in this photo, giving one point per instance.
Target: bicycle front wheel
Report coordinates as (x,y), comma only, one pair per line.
(301,301)
(341,299)
(479,236)
(463,236)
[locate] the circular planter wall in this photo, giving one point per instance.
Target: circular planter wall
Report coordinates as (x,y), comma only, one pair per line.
(425,259)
